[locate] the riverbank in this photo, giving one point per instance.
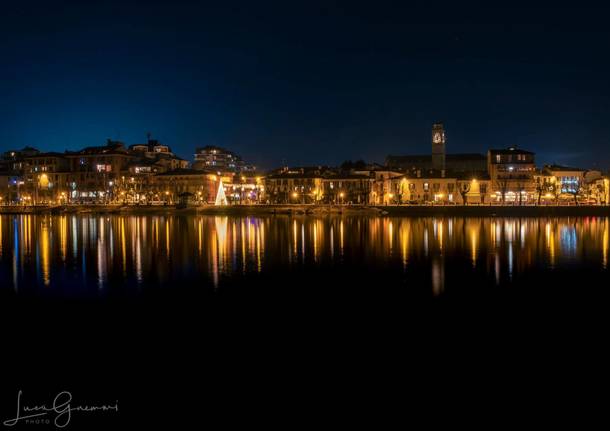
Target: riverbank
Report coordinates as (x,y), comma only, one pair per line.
(497,211)
(266,210)
(237,210)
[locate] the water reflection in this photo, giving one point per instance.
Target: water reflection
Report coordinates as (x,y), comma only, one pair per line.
(47,251)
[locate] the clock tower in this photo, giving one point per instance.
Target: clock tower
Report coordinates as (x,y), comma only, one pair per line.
(438,146)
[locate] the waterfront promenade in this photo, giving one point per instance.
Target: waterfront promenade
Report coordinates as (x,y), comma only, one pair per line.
(319,210)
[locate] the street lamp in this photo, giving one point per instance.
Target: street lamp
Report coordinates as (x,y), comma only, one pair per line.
(341,195)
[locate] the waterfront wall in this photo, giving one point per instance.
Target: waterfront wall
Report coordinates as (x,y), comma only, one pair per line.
(392,210)
(497,211)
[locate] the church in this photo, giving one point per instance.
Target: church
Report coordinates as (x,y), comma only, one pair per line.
(439,160)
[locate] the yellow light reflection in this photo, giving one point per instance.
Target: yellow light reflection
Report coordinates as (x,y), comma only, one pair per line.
(45,253)
(341,237)
(403,232)
(473,245)
(605,245)
(63,237)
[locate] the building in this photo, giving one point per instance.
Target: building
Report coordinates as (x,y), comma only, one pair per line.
(381,191)
(563,183)
(247,188)
(154,157)
(438,147)
(186,185)
(569,181)
(512,173)
(294,185)
(433,187)
(45,178)
(439,160)
(217,158)
(97,173)
(346,188)
(308,185)
(151,149)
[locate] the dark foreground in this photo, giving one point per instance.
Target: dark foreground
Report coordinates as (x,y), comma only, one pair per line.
(283,321)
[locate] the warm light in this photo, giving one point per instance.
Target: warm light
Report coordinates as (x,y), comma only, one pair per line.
(43,180)
(390,195)
(166,193)
(294,194)
(341,195)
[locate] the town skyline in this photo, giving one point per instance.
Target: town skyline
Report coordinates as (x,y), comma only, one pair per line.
(421,148)
(151,173)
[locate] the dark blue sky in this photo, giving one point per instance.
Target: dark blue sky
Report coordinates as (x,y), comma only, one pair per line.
(306,82)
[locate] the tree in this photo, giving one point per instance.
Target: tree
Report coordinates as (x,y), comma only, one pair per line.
(348,165)
(464,189)
(520,190)
(502,185)
(360,165)
(540,186)
(600,194)
(575,191)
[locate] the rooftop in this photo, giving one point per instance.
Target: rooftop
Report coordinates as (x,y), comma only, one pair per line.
(182,171)
(511,150)
(563,168)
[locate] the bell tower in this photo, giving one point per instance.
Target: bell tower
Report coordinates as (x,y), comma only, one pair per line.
(438,146)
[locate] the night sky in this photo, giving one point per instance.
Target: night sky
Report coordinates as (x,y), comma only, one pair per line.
(306,83)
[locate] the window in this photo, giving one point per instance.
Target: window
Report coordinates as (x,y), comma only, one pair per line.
(569,184)
(426,187)
(498,158)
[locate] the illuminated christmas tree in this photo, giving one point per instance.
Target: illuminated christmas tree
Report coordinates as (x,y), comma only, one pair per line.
(221,199)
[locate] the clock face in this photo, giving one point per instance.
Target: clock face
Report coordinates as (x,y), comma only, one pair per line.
(437,138)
